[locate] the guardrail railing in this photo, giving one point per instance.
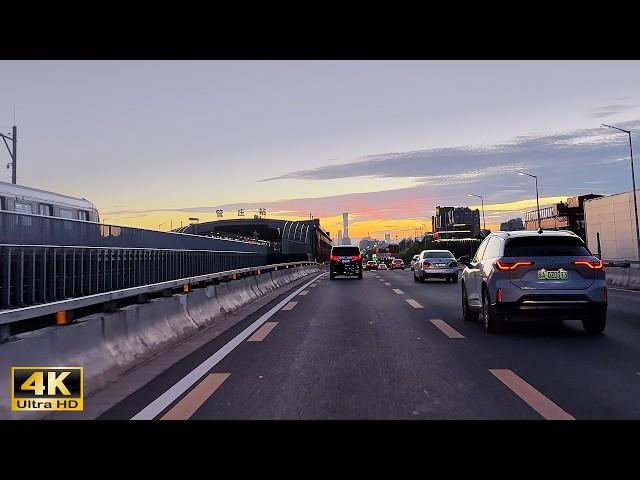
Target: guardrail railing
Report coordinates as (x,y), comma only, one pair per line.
(35,274)
(621,263)
(14,315)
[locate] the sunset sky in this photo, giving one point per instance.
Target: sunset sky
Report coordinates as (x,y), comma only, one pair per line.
(153,143)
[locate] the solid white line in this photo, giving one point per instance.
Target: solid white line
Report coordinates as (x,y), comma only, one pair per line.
(413,303)
(304,293)
(156,407)
(387,284)
(398,291)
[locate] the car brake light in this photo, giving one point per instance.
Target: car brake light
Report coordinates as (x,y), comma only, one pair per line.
(335,258)
(356,258)
(453,264)
(499,295)
(507,266)
(426,264)
(590,264)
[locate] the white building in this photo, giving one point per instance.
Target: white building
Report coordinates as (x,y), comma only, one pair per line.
(614,219)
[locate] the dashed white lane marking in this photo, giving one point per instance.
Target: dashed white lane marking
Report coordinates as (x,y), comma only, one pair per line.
(156,407)
(193,400)
(289,306)
(530,395)
(447,329)
(313,285)
(387,284)
(398,291)
(413,303)
(262,332)
(304,292)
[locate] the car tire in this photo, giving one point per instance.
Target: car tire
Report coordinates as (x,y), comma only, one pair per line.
(493,321)
(454,278)
(468,314)
(447,279)
(360,275)
(421,278)
(595,324)
(415,279)
(331,276)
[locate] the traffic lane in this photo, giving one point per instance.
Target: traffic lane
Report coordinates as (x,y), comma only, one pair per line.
(165,379)
(593,377)
(354,349)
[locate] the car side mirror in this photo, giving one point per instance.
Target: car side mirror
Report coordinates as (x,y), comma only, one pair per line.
(464,259)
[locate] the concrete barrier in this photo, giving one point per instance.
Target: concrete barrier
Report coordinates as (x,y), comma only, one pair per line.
(623,277)
(109,344)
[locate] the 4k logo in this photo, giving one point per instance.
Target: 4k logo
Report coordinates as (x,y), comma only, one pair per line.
(47,388)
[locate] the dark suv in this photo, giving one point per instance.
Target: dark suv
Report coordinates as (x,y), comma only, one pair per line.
(345,260)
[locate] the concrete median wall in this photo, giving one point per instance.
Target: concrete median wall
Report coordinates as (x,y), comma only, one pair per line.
(109,344)
(623,277)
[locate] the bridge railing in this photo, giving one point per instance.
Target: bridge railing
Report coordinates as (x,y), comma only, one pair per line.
(44,280)
(36,274)
(26,229)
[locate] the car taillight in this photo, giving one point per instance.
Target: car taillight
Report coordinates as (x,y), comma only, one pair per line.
(356,258)
(335,258)
(499,295)
(507,266)
(426,264)
(453,264)
(593,265)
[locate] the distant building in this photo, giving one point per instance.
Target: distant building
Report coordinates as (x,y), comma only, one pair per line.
(387,237)
(367,243)
(561,216)
(449,219)
(512,225)
(468,217)
(339,238)
(443,219)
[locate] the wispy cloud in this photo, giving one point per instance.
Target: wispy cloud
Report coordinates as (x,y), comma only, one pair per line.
(610,110)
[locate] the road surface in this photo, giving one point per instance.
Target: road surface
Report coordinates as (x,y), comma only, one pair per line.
(386,347)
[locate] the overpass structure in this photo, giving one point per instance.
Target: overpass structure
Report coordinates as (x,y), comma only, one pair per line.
(288,240)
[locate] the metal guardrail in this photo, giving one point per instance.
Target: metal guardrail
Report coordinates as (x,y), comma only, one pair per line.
(38,274)
(25,313)
(622,263)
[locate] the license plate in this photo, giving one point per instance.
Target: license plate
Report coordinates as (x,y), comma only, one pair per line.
(438,264)
(345,260)
(560,274)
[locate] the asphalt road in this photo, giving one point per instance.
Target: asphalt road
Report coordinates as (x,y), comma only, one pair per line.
(386,347)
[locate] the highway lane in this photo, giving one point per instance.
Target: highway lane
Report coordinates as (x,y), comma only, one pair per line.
(386,347)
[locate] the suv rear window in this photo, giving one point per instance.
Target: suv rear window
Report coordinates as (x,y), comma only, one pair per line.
(438,255)
(543,245)
(345,251)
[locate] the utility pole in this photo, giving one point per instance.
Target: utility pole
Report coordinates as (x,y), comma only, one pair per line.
(12,151)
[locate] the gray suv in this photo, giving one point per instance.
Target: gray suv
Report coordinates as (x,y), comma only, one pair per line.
(530,275)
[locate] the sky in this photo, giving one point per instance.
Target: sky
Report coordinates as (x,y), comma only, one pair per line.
(153,143)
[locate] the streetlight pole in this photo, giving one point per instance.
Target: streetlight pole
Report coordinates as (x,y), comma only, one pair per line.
(484,223)
(633,181)
(12,151)
(537,198)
